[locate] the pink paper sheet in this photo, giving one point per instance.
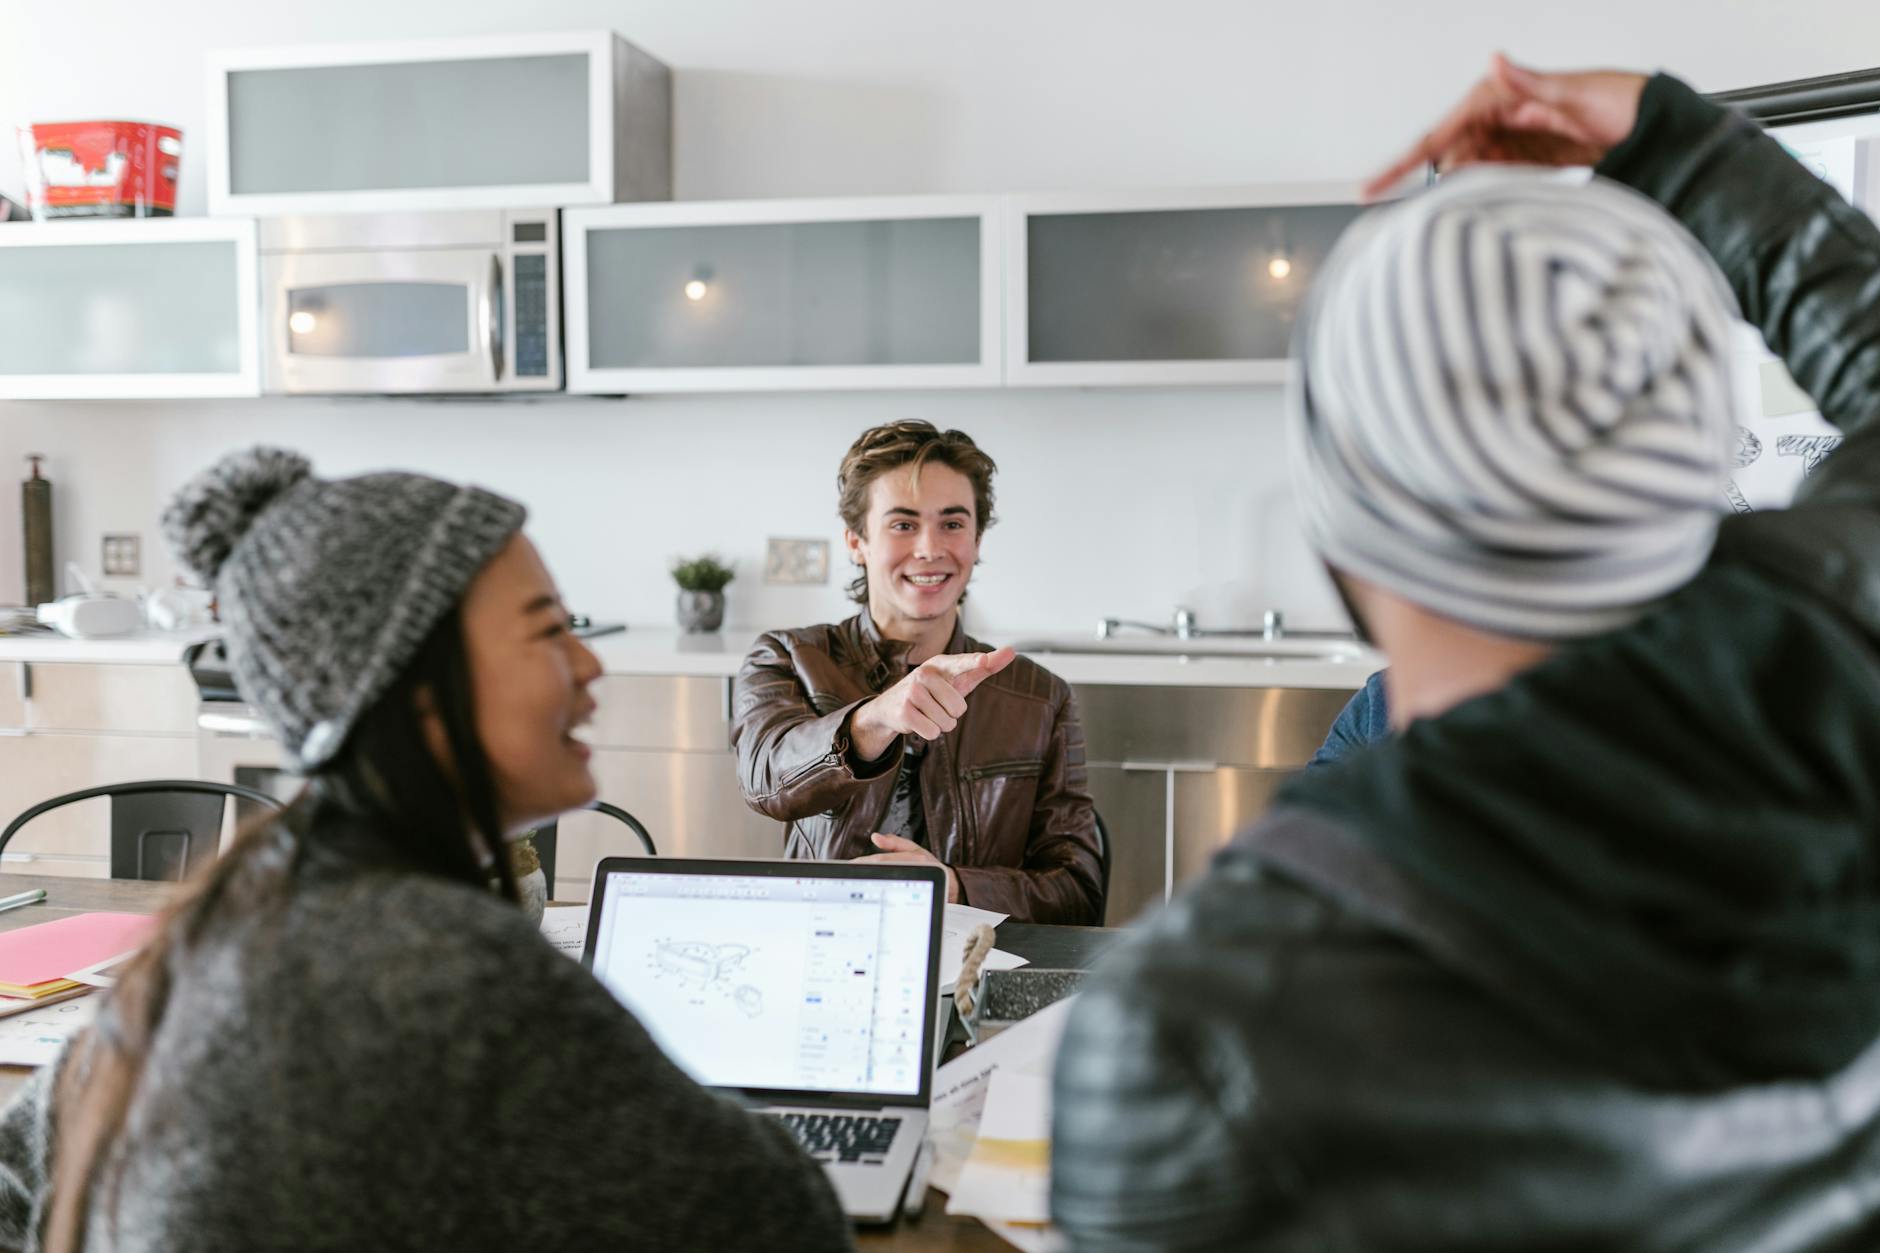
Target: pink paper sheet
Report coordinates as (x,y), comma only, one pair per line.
(53,950)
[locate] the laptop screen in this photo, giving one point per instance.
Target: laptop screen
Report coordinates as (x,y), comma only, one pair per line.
(774,981)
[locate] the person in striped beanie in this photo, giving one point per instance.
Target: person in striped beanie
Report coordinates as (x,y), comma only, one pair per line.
(1586,954)
(1512,420)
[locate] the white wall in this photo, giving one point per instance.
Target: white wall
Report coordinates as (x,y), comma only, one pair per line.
(1112,502)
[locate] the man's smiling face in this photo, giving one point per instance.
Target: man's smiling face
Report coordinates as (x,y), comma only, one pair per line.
(921,545)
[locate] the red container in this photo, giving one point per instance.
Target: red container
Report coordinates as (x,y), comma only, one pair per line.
(101,169)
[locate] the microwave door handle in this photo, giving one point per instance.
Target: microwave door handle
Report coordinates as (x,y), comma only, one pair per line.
(493,315)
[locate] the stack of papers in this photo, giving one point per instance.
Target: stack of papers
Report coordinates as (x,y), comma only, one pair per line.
(45,968)
(991,1130)
(37,962)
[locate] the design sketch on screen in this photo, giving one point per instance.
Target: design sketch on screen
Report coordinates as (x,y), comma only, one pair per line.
(1812,449)
(1780,436)
(709,967)
(774,982)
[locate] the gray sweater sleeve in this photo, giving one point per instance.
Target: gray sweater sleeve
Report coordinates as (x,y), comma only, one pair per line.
(25,1149)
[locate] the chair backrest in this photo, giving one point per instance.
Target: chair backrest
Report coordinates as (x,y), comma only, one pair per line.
(160,828)
(1103,864)
(545,837)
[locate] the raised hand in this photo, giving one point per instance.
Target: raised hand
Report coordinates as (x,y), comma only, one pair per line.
(929,702)
(1522,115)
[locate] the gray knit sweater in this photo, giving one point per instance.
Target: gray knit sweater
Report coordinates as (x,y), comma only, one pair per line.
(399,1062)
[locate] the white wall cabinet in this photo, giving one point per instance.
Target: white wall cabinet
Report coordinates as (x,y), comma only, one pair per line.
(1157,288)
(482,123)
(151,307)
(770,295)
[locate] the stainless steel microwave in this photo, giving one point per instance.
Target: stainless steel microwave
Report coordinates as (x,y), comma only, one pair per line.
(456,301)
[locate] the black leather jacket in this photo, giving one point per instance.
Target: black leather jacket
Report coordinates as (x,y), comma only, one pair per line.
(1315,1049)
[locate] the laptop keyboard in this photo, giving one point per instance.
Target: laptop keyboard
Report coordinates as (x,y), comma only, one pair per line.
(842,1137)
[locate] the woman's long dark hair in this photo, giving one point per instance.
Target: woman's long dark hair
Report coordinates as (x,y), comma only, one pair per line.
(386,795)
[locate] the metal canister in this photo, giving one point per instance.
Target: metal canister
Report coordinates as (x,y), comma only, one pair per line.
(36,510)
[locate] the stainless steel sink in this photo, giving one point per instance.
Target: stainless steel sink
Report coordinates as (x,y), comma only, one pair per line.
(1254,649)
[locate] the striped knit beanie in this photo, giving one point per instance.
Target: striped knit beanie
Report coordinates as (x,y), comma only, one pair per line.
(328,587)
(1513,403)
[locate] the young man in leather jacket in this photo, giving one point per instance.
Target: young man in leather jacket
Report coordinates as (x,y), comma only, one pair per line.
(893,736)
(1586,956)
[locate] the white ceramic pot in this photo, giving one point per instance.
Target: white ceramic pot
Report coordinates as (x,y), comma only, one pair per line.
(701,611)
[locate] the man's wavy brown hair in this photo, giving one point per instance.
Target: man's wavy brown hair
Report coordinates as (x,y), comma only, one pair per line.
(894,445)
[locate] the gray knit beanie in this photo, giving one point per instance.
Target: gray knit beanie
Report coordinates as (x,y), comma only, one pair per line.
(1513,403)
(328,587)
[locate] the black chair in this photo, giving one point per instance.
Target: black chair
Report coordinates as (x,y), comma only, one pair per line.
(544,837)
(160,828)
(1103,862)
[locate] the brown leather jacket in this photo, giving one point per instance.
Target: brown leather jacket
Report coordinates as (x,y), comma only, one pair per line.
(1006,801)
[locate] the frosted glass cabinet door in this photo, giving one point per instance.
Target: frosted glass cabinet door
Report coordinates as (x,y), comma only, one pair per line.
(1159,292)
(461,123)
(144,308)
(749,295)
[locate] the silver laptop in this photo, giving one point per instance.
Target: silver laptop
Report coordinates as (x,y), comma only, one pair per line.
(807,989)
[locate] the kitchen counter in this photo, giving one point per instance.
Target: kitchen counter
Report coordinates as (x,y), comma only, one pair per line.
(655,650)
(138,648)
(663,650)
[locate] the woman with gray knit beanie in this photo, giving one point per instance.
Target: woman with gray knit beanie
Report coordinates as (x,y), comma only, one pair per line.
(342,1037)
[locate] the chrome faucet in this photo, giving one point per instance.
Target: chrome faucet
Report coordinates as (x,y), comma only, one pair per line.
(1187,627)
(1107,627)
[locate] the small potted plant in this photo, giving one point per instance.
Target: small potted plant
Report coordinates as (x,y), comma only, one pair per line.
(701,583)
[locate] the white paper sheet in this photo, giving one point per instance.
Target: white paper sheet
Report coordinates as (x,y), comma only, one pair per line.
(1007,1176)
(954,930)
(102,974)
(965,917)
(565,926)
(960,1086)
(36,1036)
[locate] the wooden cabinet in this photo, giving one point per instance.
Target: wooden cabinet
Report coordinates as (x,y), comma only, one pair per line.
(76,840)
(117,699)
(79,725)
(1163,287)
(516,121)
(14,676)
(741,295)
(155,307)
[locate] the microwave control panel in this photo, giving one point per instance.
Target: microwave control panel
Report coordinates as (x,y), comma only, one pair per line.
(534,302)
(532,316)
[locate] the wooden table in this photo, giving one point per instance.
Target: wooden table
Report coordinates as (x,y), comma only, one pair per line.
(1049,947)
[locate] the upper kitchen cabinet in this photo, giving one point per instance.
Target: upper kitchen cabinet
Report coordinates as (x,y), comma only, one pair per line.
(488,123)
(1163,287)
(770,295)
(150,307)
